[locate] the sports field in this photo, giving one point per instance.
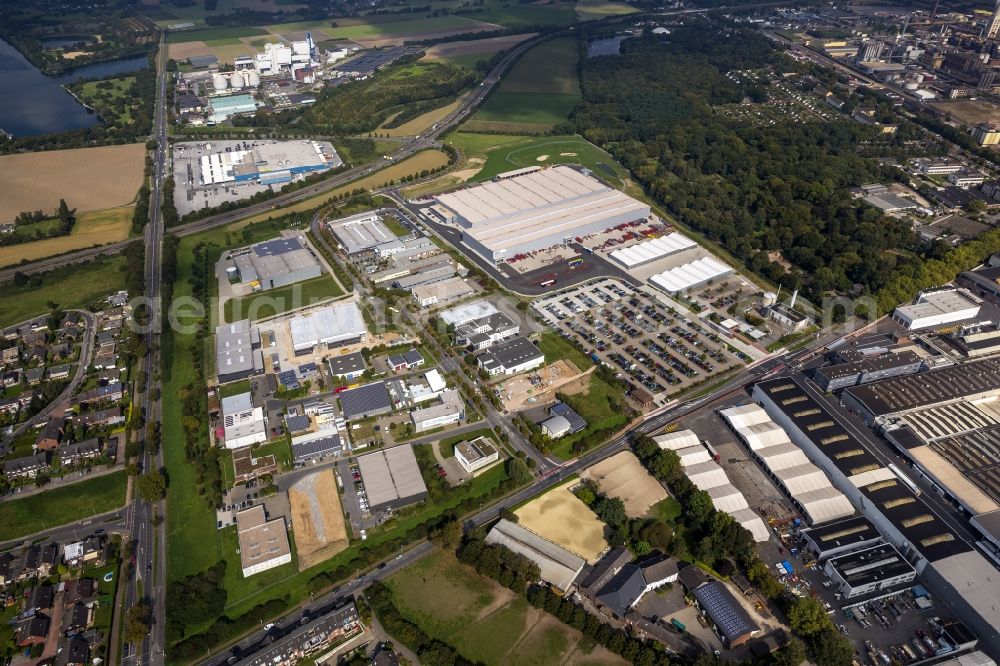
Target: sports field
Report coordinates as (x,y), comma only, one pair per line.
(98,227)
(317,518)
(559,516)
(62,505)
(87,178)
(539,91)
(484,621)
(624,477)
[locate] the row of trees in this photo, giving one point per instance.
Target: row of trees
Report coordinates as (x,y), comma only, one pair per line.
(66,219)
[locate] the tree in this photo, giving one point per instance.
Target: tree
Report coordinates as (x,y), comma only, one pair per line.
(807,616)
(792,654)
(518,472)
(152,486)
(137,623)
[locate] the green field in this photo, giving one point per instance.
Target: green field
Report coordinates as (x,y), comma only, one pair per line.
(511,15)
(275,301)
(556,347)
(483,621)
(598,410)
(72,287)
(503,153)
(590,10)
(541,88)
(113,104)
(214,34)
(62,505)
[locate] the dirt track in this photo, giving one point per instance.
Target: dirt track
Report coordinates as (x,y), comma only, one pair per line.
(563,519)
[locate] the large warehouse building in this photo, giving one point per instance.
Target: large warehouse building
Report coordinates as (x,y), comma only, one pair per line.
(275,263)
(333,325)
(392,478)
(557,566)
(269,162)
(535,209)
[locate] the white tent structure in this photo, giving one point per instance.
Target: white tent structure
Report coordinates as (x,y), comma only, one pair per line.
(692,455)
(680,439)
(752,523)
(727,498)
(807,485)
(691,275)
(650,250)
(706,475)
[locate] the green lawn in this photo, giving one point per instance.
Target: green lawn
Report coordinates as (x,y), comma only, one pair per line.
(512,15)
(556,347)
(280,448)
(482,620)
(597,409)
(214,34)
(275,301)
(73,287)
(234,388)
(63,505)
(666,510)
(395,226)
(521,107)
(447,445)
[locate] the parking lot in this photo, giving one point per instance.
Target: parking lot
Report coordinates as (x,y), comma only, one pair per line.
(355,499)
(651,344)
(245,496)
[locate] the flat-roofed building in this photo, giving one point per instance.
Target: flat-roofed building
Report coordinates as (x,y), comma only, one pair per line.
(691,275)
(938,307)
(486,331)
(477,454)
(359,235)
(557,566)
(535,210)
(331,325)
(869,570)
(365,401)
(730,621)
(243,424)
(276,263)
(263,543)
(651,250)
(442,291)
(237,351)
(348,366)
(392,478)
(451,410)
(511,357)
(840,537)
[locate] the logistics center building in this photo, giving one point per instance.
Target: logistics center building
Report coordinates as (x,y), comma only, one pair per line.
(534,209)
(268,163)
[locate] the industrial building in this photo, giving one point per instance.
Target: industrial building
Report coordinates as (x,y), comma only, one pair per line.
(787,465)
(691,275)
(442,291)
(651,250)
(717,603)
(224,107)
(274,263)
(869,570)
(358,235)
(392,478)
(237,351)
(562,421)
(405,361)
(949,567)
(486,331)
(841,536)
(268,162)
(938,307)
(533,209)
(333,325)
(314,446)
(242,423)
(368,400)
(348,366)
(511,357)
(558,567)
(451,410)
(477,454)
(702,468)
(865,367)
(263,543)
(466,313)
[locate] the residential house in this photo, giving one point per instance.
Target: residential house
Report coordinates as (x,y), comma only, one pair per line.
(81,590)
(102,394)
(57,372)
(105,338)
(60,350)
(10,406)
(40,598)
(33,339)
(49,558)
(10,567)
(100,418)
(27,467)
(10,355)
(109,376)
(76,618)
(76,653)
(76,453)
(106,360)
(11,378)
(70,333)
(36,353)
(90,551)
(32,631)
(34,376)
(51,434)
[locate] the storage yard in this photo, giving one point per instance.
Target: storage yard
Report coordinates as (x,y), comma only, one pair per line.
(563,519)
(659,351)
(209,174)
(623,476)
(88,178)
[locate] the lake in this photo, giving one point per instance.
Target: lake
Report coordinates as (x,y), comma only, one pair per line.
(606,46)
(34,103)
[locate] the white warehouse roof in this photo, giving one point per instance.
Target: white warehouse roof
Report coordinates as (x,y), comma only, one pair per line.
(752,523)
(650,250)
(727,498)
(706,475)
(680,439)
(326,325)
(802,479)
(557,565)
(761,436)
(691,455)
(825,504)
(743,416)
(782,456)
(690,275)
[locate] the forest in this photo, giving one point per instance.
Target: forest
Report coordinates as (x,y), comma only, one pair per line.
(762,192)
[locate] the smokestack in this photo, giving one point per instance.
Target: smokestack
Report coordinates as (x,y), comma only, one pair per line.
(791,303)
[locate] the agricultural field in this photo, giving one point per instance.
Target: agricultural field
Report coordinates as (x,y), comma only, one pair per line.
(63,505)
(87,178)
(591,10)
(214,34)
(623,476)
(317,518)
(70,287)
(98,227)
(562,518)
(467,54)
(515,15)
(275,301)
(539,91)
(164,14)
(484,621)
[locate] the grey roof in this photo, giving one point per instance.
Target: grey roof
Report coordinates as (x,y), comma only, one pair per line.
(298,423)
(411,357)
(315,448)
(928,388)
(557,565)
(346,364)
(658,568)
(576,422)
(607,567)
(861,567)
(25,464)
(623,590)
(365,399)
(855,530)
(391,475)
(732,621)
(514,352)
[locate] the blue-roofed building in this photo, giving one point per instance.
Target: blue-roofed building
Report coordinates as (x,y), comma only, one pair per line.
(225,107)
